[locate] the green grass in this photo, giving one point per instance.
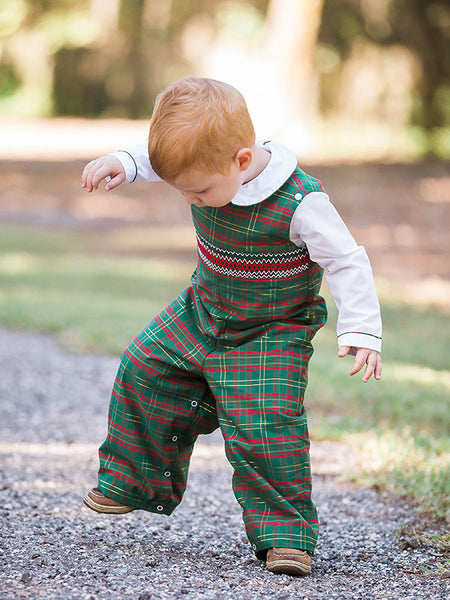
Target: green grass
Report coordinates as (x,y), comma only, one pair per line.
(91,302)
(399,425)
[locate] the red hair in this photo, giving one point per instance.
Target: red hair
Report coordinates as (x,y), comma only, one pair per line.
(198,124)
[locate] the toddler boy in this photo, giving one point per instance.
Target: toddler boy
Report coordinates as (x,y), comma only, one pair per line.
(232,350)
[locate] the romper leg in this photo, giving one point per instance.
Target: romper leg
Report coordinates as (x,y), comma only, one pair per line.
(159,405)
(259,389)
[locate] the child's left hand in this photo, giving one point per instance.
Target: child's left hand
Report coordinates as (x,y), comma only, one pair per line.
(364,356)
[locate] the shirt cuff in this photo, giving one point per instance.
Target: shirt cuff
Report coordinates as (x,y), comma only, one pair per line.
(128,163)
(357,339)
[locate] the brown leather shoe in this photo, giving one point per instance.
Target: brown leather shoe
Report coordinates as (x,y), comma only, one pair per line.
(289,561)
(97,501)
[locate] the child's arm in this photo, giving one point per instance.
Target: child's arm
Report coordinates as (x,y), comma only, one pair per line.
(128,166)
(317,225)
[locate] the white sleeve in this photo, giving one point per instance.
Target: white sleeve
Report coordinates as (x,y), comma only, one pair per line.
(317,225)
(136,163)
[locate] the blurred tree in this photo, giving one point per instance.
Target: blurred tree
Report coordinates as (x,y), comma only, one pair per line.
(110,57)
(131,23)
(292,30)
(77,88)
(424,27)
(421,26)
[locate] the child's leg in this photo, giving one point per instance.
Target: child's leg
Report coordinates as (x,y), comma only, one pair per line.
(259,395)
(159,404)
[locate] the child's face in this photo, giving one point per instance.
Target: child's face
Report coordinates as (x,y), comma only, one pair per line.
(209,190)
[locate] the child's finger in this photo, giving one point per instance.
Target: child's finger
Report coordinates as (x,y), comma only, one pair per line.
(371,364)
(378,368)
(343,351)
(87,172)
(97,174)
(86,169)
(359,363)
(87,175)
(84,177)
(114,182)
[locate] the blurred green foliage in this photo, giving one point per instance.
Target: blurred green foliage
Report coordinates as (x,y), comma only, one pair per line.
(420,26)
(109,58)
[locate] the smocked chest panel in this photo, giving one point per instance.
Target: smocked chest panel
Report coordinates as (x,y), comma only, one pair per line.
(249,272)
(252,265)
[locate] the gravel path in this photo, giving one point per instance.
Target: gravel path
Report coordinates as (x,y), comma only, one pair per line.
(53,408)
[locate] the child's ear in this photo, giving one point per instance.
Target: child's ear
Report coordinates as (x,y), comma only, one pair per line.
(244,157)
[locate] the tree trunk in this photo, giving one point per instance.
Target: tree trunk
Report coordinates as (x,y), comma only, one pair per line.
(131,22)
(292,30)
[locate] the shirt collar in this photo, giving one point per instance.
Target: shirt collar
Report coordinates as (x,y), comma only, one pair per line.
(280,167)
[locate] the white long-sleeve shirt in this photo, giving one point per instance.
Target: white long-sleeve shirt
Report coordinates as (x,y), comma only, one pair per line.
(315,224)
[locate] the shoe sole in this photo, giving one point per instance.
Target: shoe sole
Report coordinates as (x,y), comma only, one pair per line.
(288,567)
(101,508)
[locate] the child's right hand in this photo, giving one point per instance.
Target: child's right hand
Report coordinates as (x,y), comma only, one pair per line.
(101,168)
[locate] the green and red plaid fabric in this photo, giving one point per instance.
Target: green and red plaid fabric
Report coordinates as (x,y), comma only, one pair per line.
(231,351)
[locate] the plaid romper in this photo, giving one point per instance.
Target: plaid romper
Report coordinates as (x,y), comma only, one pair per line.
(231,351)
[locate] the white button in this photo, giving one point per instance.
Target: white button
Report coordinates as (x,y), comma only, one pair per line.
(298,196)
(160,508)
(167,474)
(174,438)
(194,403)
(254,546)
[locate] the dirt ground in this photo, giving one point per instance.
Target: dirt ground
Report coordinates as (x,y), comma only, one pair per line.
(52,418)
(399,212)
